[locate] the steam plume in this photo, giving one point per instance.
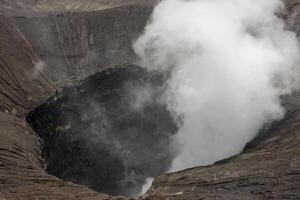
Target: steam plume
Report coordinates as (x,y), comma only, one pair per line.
(229,62)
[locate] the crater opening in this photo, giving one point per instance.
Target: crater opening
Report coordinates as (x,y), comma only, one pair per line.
(110,133)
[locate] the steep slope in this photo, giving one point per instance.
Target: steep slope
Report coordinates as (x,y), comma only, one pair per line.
(42,50)
(25,83)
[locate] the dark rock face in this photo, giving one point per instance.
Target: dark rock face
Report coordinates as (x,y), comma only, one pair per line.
(109,133)
(267,170)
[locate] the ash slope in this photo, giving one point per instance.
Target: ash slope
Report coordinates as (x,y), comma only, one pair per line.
(269,169)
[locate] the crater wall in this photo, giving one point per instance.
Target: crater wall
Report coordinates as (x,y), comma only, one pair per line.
(44,49)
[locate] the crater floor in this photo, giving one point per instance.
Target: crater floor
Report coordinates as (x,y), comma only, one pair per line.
(109,133)
(38,56)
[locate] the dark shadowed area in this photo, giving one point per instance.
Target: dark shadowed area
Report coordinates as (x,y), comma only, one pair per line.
(109,133)
(46,45)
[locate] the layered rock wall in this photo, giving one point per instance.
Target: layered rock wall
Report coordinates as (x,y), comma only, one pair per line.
(45,46)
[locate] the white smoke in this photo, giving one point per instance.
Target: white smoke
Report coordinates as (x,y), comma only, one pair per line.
(147,185)
(139,95)
(229,62)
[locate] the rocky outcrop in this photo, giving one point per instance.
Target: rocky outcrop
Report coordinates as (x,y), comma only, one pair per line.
(45,45)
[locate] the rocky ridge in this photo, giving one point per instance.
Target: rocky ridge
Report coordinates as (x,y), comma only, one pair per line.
(38,56)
